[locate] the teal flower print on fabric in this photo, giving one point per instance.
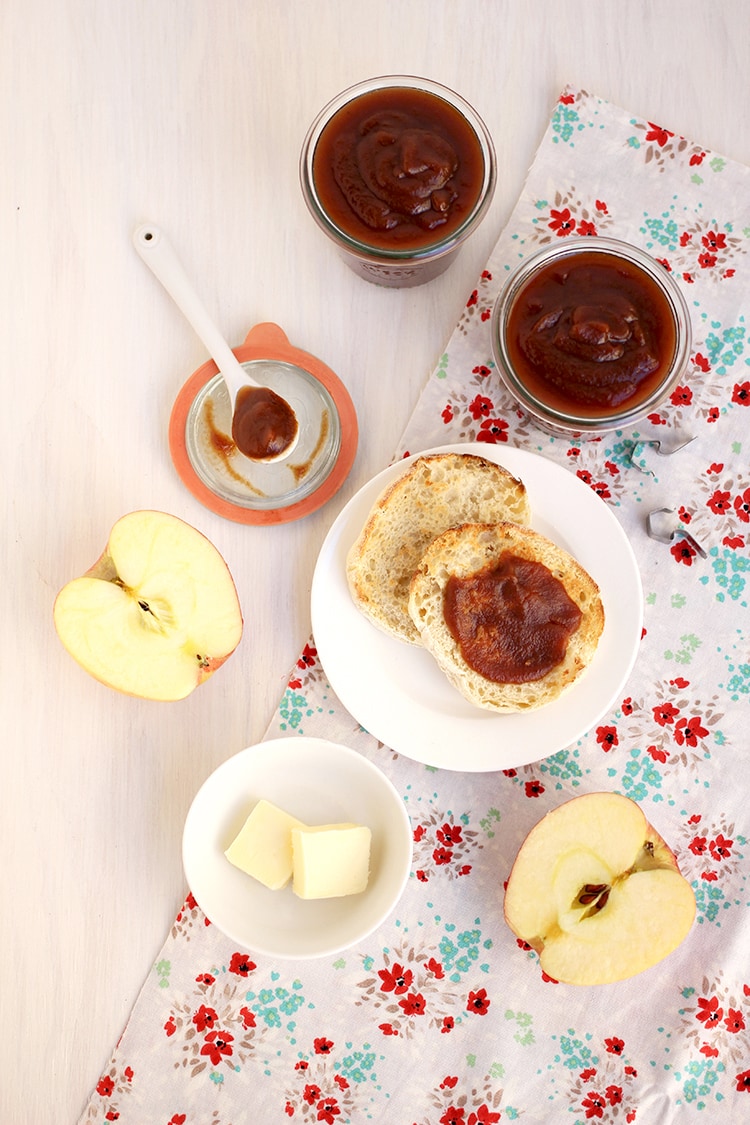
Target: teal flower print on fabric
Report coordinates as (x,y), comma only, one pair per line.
(726,345)
(293,709)
(564,767)
(276,1006)
(661,231)
(730,571)
(565,121)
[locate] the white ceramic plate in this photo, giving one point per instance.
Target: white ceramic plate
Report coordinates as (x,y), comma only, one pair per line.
(318,782)
(396,690)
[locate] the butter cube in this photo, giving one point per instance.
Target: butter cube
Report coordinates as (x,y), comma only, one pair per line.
(330,860)
(263,846)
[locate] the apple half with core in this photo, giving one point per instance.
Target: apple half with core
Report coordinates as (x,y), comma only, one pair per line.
(157,614)
(597,893)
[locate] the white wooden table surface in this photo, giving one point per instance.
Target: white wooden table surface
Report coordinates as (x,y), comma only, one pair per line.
(191,113)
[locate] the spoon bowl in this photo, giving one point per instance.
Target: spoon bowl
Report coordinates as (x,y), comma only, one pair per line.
(264,426)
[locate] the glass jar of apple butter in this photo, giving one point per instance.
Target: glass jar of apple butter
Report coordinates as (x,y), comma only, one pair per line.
(398,171)
(590,336)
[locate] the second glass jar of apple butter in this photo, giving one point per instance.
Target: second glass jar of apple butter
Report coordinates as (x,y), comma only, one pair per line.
(590,335)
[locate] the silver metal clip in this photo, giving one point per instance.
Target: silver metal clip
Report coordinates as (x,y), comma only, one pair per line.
(663,525)
(638,460)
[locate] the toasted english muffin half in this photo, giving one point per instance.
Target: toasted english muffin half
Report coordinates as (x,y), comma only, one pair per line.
(478,549)
(435,492)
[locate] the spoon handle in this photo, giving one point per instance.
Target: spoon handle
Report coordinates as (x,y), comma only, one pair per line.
(158,254)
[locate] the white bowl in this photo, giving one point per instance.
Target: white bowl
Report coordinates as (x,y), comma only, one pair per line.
(318,782)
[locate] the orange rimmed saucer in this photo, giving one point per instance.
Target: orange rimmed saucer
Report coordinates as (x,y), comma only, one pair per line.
(226,482)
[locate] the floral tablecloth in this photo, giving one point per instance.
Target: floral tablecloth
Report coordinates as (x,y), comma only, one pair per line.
(441,1017)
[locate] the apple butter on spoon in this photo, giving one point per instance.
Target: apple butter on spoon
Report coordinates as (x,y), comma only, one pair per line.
(264,426)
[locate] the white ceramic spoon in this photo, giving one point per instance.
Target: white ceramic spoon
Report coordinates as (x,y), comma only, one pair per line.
(158,254)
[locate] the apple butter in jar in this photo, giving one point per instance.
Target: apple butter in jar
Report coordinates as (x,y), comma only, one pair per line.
(590,336)
(398,172)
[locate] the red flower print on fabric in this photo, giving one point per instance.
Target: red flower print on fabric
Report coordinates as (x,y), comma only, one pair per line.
(719,502)
(743,1081)
(322,1046)
(562,222)
(105,1086)
(606,737)
(681,396)
(217,1045)
(449,834)
(614,1045)
(396,980)
(720,847)
(205,1018)
(741,394)
(734,1021)
(308,657)
(665,713)
(328,1110)
(241,964)
(683,552)
(709,1012)
(493,431)
(480,407)
(533,788)
(478,1002)
(688,731)
(742,505)
(413,1004)
(311,1094)
(594,1104)
(657,134)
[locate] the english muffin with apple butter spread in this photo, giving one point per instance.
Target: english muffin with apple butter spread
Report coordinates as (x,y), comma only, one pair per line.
(510,617)
(435,492)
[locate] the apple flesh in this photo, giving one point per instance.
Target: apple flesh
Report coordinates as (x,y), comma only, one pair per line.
(158,612)
(597,892)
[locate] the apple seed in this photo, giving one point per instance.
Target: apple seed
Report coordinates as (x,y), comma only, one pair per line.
(594,895)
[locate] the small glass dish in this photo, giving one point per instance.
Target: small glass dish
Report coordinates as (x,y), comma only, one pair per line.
(230,484)
(618,303)
(393,116)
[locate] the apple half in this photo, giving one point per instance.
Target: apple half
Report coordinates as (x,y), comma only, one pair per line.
(597,893)
(158,612)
